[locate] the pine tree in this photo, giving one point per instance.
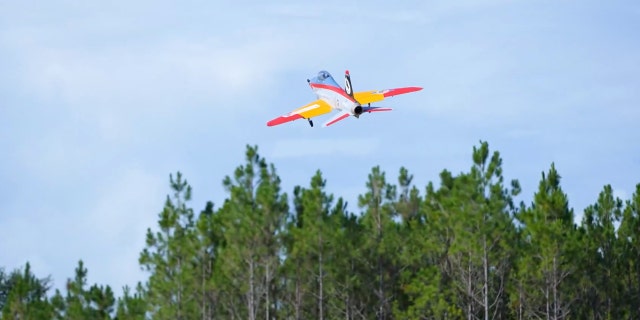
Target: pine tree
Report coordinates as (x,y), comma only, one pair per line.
(26,295)
(477,211)
(351,290)
(80,302)
(423,293)
(208,243)
(131,307)
(311,252)
(169,257)
(600,260)
(5,286)
(629,235)
(547,255)
(252,220)
(381,242)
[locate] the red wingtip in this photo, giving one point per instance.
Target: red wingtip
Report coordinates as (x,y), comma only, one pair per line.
(283,119)
(397,91)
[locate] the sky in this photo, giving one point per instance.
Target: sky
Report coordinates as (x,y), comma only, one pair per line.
(101,101)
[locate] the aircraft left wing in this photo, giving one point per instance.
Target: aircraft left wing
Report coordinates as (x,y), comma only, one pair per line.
(313,109)
(366,97)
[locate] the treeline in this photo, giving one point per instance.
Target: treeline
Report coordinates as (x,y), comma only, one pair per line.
(461,249)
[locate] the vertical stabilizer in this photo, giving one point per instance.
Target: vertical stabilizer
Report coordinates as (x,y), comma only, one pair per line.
(347,84)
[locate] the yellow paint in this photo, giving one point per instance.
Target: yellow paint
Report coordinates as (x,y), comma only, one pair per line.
(313,109)
(366,97)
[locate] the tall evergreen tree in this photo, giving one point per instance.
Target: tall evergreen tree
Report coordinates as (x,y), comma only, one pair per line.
(351,287)
(311,252)
(423,290)
(5,287)
(82,302)
(169,257)
(253,219)
(479,210)
(381,242)
(600,261)
(547,255)
(629,234)
(132,306)
(26,295)
(208,243)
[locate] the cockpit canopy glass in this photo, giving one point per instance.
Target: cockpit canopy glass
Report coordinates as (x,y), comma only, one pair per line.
(323,75)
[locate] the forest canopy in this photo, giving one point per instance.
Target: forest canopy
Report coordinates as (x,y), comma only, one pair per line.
(458,248)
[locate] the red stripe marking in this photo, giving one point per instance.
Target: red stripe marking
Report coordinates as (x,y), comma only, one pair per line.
(332,88)
(397,91)
(283,119)
(338,119)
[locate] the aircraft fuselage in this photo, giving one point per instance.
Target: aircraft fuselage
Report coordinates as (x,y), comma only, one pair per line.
(327,89)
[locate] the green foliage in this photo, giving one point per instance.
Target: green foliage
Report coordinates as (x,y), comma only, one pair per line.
(629,241)
(24,295)
(600,286)
(252,221)
(547,253)
(132,307)
(312,252)
(169,257)
(462,249)
(80,302)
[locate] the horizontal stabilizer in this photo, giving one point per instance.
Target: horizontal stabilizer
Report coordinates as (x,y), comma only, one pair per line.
(375,109)
(336,118)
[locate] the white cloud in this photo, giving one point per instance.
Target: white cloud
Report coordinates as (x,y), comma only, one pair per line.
(116,78)
(95,88)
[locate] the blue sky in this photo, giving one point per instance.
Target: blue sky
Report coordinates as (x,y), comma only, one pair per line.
(100,102)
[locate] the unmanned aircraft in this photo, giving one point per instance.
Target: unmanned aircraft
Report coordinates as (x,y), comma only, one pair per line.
(332,97)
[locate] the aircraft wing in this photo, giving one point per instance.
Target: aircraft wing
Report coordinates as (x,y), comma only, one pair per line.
(313,109)
(366,97)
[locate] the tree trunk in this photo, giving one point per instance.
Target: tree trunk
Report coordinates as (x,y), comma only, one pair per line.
(298,298)
(267,287)
(320,279)
(556,313)
(638,284)
(469,293)
(546,300)
(485,262)
(251,294)
(203,307)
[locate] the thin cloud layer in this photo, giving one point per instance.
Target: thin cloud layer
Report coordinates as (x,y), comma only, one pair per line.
(99,102)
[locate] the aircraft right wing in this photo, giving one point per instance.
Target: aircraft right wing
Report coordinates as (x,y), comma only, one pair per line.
(366,97)
(313,109)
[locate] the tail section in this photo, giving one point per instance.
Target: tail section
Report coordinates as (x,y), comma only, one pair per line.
(347,84)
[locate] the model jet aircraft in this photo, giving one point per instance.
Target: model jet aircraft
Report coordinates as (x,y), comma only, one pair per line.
(332,97)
